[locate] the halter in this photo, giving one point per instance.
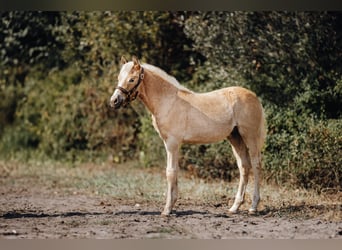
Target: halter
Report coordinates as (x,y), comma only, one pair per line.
(132,94)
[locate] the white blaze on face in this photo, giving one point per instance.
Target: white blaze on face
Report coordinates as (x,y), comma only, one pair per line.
(126,68)
(122,78)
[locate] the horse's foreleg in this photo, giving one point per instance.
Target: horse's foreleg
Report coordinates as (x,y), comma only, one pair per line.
(171,176)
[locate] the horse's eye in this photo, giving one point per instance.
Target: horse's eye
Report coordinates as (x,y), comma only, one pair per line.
(131,80)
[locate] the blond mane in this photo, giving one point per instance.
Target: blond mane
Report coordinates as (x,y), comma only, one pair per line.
(165,76)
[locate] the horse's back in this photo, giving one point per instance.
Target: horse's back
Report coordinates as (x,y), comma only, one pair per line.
(214,105)
(218,102)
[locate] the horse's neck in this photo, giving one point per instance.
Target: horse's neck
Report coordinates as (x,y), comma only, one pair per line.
(156,93)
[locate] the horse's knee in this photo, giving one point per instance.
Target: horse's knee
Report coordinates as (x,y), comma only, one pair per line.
(244,170)
(171,175)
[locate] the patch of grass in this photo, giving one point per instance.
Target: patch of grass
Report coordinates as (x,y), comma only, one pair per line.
(124,181)
(166,230)
(129,182)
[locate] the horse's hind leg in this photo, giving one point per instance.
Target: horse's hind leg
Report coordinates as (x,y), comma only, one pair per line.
(242,157)
(255,158)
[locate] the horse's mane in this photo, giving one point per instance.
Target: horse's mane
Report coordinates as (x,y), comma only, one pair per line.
(165,76)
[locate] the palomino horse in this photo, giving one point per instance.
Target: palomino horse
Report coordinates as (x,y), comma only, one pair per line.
(182,116)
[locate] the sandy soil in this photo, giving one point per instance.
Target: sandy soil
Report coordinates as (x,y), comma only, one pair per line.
(31,212)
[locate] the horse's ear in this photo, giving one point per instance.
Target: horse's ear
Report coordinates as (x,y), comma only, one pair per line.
(123,60)
(136,62)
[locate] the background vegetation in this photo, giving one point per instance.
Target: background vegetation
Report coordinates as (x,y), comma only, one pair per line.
(58,70)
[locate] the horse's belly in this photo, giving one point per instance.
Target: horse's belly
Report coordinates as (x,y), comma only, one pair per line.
(206,131)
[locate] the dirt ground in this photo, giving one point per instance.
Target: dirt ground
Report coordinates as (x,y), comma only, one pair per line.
(49,201)
(33,213)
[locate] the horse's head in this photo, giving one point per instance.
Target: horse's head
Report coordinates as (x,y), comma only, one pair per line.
(130,78)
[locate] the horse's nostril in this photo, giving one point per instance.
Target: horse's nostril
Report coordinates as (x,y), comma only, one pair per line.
(116,103)
(113,102)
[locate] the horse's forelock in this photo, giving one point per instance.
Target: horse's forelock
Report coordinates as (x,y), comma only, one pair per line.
(126,67)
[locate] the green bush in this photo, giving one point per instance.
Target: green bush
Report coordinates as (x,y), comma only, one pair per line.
(63,115)
(303,151)
(210,161)
(8,104)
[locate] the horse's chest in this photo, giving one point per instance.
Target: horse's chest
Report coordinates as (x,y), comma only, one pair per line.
(155,125)
(170,125)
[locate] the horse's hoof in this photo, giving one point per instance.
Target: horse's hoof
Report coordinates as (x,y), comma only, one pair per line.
(252,211)
(232,211)
(165,213)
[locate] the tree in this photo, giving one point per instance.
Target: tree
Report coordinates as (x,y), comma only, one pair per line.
(97,40)
(288,58)
(28,39)
(27,42)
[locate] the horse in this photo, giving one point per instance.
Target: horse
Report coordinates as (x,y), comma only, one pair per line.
(180,115)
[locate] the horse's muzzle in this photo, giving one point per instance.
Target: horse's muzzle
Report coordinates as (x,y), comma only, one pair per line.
(116,102)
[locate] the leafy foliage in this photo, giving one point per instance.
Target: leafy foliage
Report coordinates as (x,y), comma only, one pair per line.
(58,70)
(29,38)
(28,42)
(303,150)
(287,58)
